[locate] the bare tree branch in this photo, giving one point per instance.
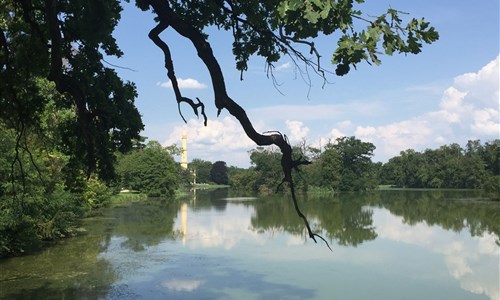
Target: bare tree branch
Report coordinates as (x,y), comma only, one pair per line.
(167,17)
(154,35)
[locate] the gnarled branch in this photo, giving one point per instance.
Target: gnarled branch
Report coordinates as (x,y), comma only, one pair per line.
(154,35)
(167,17)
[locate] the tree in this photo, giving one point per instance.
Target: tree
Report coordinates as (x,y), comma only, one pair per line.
(357,171)
(70,36)
(151,170)
(37,200)
(218,173)
(449,166)
(490,154)
(68,113)
(70,39)
(266,164)
(202,169)
(329,168)
(243,179)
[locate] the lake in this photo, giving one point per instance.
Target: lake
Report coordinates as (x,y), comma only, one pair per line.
(389,244)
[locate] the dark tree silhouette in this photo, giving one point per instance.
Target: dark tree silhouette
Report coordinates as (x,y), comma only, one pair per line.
(218,173)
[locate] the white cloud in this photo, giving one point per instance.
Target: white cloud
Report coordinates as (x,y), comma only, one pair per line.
(222,139)
(393,138)
(486,122)
(344,124)
(468,110)
(284,66)
(452,105)
(188,83)
(297,131)
(335,134)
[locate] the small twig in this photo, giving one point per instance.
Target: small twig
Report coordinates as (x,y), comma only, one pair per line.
(269,70)
(113,65)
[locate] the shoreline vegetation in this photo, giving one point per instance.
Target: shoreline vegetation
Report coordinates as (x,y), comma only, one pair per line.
(49,201)
(125,198)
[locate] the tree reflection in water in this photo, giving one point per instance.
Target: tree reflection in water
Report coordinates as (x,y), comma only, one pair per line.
(348,218)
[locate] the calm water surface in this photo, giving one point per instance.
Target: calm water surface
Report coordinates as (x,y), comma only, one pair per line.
(213,245)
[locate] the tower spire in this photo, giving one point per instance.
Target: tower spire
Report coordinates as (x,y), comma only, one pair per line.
(184,159)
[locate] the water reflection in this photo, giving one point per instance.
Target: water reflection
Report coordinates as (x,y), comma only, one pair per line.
(474,262)
(464,232)
(203,276)
(451,210)
(143,224)
(215,245)
(346,221)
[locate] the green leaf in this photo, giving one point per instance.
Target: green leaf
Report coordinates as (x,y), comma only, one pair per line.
(283,7)
(312,16)
(295,4)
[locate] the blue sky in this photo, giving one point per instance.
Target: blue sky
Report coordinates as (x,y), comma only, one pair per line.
(448,93)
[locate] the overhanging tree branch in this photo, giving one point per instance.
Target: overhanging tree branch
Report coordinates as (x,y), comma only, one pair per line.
(222,101)
(154,35)
(271,29)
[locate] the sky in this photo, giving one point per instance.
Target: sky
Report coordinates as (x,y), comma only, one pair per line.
(449,93)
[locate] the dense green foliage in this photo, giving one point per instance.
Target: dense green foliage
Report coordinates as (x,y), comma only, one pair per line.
(341,166)
(63,116)
(242,179)
(356,171)
(40,197)
(202,169)
(450,166)
(266,164)
(274,28)
(68,53)
(150,170)
(346,165)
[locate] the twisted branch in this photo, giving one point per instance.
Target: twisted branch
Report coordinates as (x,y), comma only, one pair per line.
(154,35)
(222,101)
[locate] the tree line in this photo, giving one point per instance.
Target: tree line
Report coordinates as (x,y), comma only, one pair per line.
(476,166)
(45,189)
(346,165)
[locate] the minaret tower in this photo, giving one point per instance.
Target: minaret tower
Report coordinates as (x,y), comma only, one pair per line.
(184,153)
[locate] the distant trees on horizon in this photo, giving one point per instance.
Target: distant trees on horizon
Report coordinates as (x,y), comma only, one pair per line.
(346,165)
